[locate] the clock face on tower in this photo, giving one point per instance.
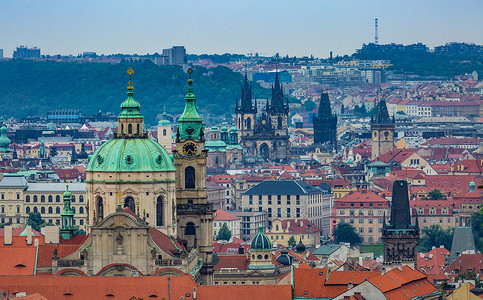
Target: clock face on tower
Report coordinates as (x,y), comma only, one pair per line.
(189,149)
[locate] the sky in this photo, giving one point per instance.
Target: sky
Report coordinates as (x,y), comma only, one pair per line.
(288,27)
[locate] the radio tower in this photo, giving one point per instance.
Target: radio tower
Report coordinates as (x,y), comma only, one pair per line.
(376,38)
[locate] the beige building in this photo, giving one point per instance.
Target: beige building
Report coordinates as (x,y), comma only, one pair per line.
(233,222)
(18,198)
(288,199)
(300,229)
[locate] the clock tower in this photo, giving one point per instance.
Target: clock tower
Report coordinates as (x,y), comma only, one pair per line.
(383,130)
(194,212)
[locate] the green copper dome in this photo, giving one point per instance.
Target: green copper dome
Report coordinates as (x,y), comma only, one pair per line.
(130,155)
(164,119)
(4,140)
(190,123)
(224,128)
(260,241)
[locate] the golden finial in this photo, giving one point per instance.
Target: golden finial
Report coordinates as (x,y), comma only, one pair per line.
(190,71)
(119,195)
(130,72)
(67,180)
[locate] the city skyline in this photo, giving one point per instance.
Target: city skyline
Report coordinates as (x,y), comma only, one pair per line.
(307,28)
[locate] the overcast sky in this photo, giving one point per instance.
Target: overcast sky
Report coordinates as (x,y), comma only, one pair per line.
(293,27)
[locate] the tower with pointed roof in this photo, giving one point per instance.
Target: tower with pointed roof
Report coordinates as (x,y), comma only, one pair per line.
(400,237)
(194,212)
(67,216)
(382,129)
(325,124)
(5,151)
(264,136)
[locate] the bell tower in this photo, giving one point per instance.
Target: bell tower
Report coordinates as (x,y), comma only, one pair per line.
(245,112)
(194,212)
(382,129)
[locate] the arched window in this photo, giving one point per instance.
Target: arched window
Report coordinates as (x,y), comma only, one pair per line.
(129,202)
(51,211)
(249,123)
(72,198)
(81,198)
(432,210)
(190,229)
(189,177)
(279,125)
(50,198)
(3,209)
(27,198)
(57,198)
(42,198)
(27,209)
(100,209)
(36,199)
(137,130)
(73,209)
(159,212)
(81,210)
(445,210)
(129,128)
(164,132)
(18,209)
(122,128)
(42,210)
(57,210)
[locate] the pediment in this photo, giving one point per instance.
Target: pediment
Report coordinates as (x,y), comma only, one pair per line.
(255,273)
(99,191)
(129,191)
(120,219)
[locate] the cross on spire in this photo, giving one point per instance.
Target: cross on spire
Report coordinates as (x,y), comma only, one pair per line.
(130,72)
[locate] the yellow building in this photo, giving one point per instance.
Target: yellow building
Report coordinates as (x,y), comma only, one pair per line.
(301,229)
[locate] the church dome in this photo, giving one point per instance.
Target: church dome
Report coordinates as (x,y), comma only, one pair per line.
(224,128)
(260,241)
(300,248)
(130,155)
(284,258)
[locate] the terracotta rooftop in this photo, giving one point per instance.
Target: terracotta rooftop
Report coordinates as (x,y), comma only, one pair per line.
(223,215)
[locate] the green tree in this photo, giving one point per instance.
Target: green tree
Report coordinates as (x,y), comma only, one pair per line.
(346,233)
(35,220)
(436,195)
(5,224)
(224,234)
(292,241)
(309,105)
(477,226)
(435,236)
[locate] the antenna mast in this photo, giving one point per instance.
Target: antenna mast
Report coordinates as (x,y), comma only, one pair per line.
(376,37)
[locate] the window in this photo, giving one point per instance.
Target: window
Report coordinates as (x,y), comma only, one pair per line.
(57,210)
(27,198)
(42,198)
(380,221)
(351,221)
(298,212)
(361,212)
(371,239)
(288,212)
(297,199)
(432,210)
(50,198)
(342,212)
(100,209)
(279,212)
(57,198)
(18,209)
(42,210)
(35,198)
(81,210)
(189,177)
(190,229)
(81,222)
(159,212)
(361,221)
(164,132)
(371,221)
(369,213)
(72,199)
(51,211)
(269,212)
(129,202)
(371,229)
(361,230)
(351,212)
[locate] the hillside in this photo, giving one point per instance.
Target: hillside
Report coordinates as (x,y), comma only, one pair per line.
(34,88)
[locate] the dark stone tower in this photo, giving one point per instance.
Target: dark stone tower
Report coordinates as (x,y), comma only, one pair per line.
(400,237)
(325,124)
(245,111)
(382,128)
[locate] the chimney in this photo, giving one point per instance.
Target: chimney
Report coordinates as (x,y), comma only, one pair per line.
(29,235)
(288,224)
(51,234)
(36,242)
(7,239)
(194,293)
(301,223)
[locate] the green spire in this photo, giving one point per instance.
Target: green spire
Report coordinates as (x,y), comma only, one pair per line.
(130,108)
(4,140)
(164,120)
(190,123)
(67,215)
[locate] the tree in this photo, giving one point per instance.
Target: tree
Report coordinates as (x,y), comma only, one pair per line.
(292,241)
(224,234)
(5,224)
(35,220)
(435,236)
(477,226)
(346,233)
(309,105)
(436,195)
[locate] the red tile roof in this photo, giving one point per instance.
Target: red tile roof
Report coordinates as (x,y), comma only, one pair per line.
(167,244)
(17,260)
(223,215)
(238,262)
(465,263)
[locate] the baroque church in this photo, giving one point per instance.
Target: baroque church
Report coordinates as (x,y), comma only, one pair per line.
(325,125)
(263,135)
(148,212)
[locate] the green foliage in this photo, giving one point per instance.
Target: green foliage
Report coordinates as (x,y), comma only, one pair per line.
(477,228)
(5,224)
(436,195)
(309,105)
(292,241)
(435,236)
(224,234)
(469,276)
(33,87)
(377,249)
(346,233)
(35,220)
(426,63)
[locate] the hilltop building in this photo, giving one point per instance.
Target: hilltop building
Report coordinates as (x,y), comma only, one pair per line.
(325,124)
(263,137)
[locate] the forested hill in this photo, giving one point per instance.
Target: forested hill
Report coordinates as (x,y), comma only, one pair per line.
(34,88)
